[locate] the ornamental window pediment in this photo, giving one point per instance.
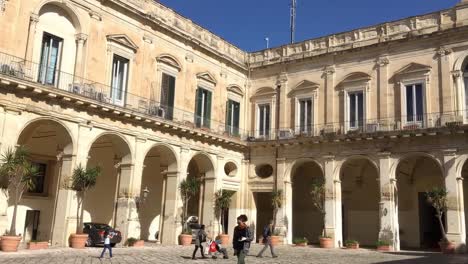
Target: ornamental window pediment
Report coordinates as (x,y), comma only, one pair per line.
(122,40)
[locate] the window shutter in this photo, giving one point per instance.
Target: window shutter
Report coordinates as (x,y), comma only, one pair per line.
(267,121)
(170,97)
(198,106)
(235,122)
(207,121)
(228,116)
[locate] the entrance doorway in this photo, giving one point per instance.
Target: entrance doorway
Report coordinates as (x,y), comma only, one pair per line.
(264,212)
(429,228)
(31,225)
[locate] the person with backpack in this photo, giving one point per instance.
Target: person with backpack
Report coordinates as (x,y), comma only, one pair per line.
(107,244)
(241,239)
(199,239)
(267,232)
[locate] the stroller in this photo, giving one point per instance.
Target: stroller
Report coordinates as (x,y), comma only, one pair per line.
(215,248)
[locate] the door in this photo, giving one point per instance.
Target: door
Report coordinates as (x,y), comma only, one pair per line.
(429,228)
(31,226)
(119,80)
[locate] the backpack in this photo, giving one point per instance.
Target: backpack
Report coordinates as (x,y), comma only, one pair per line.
(266,231)
(201,236)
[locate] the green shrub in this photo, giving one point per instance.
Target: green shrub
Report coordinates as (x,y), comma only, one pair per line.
(351,242)
(130,241)
(381,243)
(300,240)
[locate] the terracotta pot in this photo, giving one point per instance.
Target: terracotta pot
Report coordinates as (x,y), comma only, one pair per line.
(139,243)
(326,242)
(38,245)
(78,241)
(224,239)
(447,247)
(301,244)
(353,246)
(10,243)
(275,240)
(385,248)
(185,240)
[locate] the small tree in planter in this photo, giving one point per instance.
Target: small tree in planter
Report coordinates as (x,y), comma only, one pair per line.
(188,188)
(222,202)
(17,175)
(318,200)
(437,197)
(81,182)
(277,203)
(352,244)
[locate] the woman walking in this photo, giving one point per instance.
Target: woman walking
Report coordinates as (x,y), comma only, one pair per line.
(241,240)
(200,238)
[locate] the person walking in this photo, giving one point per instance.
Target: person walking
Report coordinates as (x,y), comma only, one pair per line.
(267,233)
(107,244)
(199,239)
(241,239)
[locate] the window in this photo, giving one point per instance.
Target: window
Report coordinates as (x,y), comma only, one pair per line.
(119,79)
(203,108)
(414,103)
(167,95)
(355,109)
(39,180)
(232,117)
(264,120)
(305,115)
(50,59)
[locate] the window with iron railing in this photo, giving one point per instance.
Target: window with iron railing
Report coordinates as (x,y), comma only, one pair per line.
(167,95)
(119,81)
(263,120)
(232,117)
(203,108)
(51,54)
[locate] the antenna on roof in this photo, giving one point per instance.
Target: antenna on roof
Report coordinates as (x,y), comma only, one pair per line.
(293,19)
(267,39)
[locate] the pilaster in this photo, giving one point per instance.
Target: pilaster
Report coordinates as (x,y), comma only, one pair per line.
(329,81)
(383,90)
(333,225)
(445,82)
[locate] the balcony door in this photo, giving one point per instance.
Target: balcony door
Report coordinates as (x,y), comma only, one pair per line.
(203,108)
(51,53)
(263,115)
(119,81)
(355,111)
(167,95)
(232,117)
(414,104)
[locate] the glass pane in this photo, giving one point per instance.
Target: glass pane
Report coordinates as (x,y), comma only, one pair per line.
(119,77)
(267,119)
(419,102)
(261,120)
(309,115)
(302,115)
(236,117)
(51,67)
(409,103)
(352,110)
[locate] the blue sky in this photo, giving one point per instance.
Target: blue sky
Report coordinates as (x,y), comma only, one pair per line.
(246,23)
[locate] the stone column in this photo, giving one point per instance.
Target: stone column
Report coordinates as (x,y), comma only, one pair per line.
(171,226)
(328,76)
(459,91)
(61,209)
(33,20)
(126,215)
(288,210)
(446,87)
(455,212)
(208,216)
(282,215)
(383,91)
(80,58)
(332,201)
(388,203)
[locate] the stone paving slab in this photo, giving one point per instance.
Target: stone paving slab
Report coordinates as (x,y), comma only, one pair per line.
(182,255)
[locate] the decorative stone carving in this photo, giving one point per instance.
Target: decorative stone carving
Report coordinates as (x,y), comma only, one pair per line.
(81,37)
(382,61)
(443,51)
(457,74)
(3,5)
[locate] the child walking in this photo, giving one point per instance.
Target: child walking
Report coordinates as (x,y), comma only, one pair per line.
(107,244)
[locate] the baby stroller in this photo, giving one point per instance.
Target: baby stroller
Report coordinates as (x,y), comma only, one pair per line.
(215,248)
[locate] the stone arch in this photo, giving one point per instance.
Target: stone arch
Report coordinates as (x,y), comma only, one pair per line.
(122,147)
(360,209)
(68,8)
(394,167)
(170,149)
(298,162)
(461,61)
(205,158)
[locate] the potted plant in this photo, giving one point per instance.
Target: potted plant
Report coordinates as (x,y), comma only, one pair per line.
(81,182)
(277,203)
(437,197)
(352,244)
(384,245)
(188,188)
(133,242)
(300,241)
(222,202)
(318,199)
(17,175)
(34,245)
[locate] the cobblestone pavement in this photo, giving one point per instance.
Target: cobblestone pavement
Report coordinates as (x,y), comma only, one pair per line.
(176,255)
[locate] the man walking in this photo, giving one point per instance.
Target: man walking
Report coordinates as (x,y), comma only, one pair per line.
(241,239)
(199,240)
(107,244)
(267,232)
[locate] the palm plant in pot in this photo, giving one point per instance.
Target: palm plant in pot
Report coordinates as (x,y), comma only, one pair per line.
(277,203)
(437,197)
(188,188)
(17,175)
(222,202)
(81,182)
(318,200)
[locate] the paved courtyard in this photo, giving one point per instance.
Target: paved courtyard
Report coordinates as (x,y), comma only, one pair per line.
(175,254)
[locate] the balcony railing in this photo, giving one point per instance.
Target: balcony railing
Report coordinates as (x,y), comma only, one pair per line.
(106,95)
(369,127)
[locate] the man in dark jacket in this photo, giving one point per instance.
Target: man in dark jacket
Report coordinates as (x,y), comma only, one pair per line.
(267,233)
(200,238)
(241,239)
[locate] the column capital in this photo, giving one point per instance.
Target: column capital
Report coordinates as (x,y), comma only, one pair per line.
(34,18)
(282,79)
(328,158)
(328,70)
(80,37)
(460,179)
(172,174)
(384,154)
(457,74)
(450,152)
(219,157)
(382,61)
(444,51)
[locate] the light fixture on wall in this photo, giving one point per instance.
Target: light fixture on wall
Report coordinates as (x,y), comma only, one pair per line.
(139,200)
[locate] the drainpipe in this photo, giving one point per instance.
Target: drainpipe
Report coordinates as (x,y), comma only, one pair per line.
(277,128)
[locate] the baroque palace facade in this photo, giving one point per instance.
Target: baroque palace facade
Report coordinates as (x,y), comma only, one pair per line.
(378,113)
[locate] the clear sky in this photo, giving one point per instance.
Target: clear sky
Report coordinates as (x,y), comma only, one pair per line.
(246,23)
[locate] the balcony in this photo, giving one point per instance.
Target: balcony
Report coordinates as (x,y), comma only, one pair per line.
(403,126)
(17,73)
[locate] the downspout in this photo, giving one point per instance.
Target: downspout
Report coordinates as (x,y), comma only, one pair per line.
(277,129)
